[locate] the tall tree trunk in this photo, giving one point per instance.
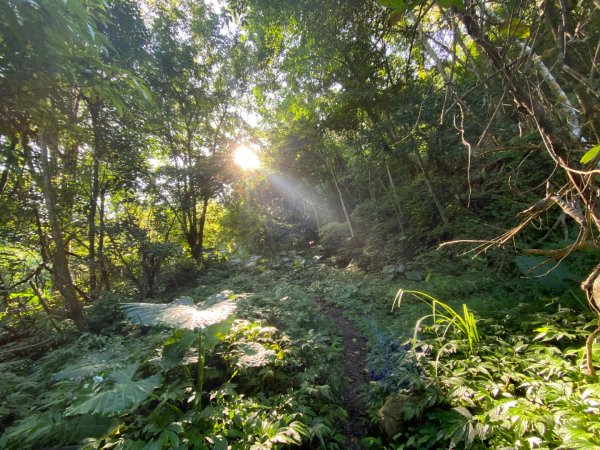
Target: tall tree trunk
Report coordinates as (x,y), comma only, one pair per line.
(44,247)
(195,232)
(10,161)
(201,226)
(395,196)
(337,186)
(94,109)
(316,217)
(147,272)
(438,205)
(62,273)
(4,293)
(104,277)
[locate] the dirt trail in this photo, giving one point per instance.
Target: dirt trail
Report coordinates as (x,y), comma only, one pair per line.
(354,360)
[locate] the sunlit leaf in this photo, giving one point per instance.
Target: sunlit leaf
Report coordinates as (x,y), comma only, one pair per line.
(216,298)
(178,316)
(395,4)
(515,28)
(450,3)
(184,300)
(253,354)
(590,154)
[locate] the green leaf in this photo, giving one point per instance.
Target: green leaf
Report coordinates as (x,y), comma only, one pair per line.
(217,332)
(414,275)
(590,154)
(394,4)
(91,31)
(125,375)
(515,28)
(178,316)
(140,87)
(176,346)
(220,444)
(125,395)
(450,3)
(546,274)
(89,365)
(92,425)
(116,101)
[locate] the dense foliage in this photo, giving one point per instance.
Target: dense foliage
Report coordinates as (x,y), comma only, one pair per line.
(408,149)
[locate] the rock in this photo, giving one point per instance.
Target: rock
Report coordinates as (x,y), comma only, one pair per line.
(392,415)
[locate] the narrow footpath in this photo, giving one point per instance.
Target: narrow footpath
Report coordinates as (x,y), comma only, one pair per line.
(354,360)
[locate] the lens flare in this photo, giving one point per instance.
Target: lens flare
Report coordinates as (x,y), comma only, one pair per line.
(246,158)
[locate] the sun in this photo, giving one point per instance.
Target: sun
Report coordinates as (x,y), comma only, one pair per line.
(246,158)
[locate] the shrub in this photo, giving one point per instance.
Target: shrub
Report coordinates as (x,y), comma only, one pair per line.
(506,395)
(334,236)
(103,316)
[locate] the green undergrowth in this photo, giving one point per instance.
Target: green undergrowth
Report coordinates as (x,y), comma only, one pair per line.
(271,382)
(275,379)
(522,387)
(521,384)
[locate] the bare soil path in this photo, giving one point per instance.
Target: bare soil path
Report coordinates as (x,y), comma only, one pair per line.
(354,361)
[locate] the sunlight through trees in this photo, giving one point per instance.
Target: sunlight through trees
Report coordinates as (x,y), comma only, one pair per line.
(315,156)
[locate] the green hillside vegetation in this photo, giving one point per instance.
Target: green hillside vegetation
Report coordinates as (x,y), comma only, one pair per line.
(247,224)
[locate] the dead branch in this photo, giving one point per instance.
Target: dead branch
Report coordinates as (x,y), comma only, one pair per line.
(589,343)
(559,253)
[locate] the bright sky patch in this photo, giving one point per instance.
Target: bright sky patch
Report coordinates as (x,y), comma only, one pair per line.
(246,158)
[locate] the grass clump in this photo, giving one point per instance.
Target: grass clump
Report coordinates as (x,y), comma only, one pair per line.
(443,314)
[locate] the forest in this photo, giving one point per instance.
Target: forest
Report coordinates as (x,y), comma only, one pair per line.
(312,224)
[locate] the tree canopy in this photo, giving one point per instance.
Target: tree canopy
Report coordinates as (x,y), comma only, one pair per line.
(392,137)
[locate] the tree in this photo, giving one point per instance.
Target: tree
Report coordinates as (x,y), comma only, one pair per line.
(45,50)
(195,120)
(543,65)
(56,60)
